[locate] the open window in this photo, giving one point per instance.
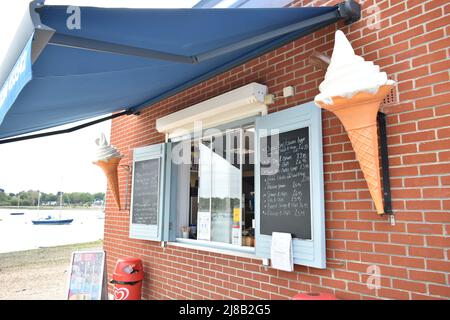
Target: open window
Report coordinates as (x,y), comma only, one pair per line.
(213,190)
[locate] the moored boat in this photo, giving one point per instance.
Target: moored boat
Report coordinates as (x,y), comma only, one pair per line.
(49,220)
(52,221)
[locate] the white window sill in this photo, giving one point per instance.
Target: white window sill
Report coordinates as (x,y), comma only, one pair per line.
(222,248)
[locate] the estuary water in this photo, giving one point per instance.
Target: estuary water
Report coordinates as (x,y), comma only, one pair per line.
(17,232)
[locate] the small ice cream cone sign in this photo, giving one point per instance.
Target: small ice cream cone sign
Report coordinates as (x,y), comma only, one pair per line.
(353,90)
(108,158)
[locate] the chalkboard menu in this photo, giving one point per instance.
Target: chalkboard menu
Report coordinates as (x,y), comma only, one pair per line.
(146,192)
(285,184)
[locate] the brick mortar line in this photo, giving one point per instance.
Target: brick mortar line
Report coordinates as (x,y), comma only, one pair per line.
(217,286)
(347,281)
(320,278)
(391,288)
(399,199)
(417,121)
(357,261)
(431,85)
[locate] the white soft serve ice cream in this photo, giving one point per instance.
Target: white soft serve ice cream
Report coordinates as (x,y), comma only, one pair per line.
(349,74)
(105,151)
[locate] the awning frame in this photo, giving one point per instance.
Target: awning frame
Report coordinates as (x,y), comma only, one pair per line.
(42,33)
(109,47)
(349,11)
(68,130)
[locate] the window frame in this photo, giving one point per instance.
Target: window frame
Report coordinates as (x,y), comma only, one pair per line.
(172,223)
(289,118)
(308,252)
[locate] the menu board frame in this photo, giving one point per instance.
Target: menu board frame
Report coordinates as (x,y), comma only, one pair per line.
(149,231)
(264,219)
(84,294)
(133,209)
(305,252)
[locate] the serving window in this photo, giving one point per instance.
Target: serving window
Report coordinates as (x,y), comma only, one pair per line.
(215,189)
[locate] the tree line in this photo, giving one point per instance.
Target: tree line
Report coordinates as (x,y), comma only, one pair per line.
(32,198)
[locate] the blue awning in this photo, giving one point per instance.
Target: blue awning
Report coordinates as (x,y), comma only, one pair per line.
(128,59)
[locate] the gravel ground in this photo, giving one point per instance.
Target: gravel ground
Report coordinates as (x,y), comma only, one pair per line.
(40,274)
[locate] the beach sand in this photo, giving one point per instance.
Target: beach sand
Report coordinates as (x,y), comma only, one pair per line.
(39,274)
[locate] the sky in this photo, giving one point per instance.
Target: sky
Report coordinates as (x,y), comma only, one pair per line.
(56,163)
(61,162)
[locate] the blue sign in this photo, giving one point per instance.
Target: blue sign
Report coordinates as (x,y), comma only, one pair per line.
(20,75)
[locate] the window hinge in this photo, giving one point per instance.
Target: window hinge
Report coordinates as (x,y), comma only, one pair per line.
(392,219)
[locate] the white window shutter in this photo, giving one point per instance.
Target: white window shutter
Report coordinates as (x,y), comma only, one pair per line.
(147,197)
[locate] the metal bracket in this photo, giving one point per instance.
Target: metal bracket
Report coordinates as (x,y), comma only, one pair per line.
(381,119)
(42,33)
(350,11)
(71,41)
(335,262)
(392,219)
(308,23)
(128,169)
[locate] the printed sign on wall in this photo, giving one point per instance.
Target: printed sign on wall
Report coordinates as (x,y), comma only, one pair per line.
(204,226)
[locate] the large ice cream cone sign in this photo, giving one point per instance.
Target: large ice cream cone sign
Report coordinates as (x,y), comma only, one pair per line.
(108,159)
(109,167)
(359,117)
(353,90)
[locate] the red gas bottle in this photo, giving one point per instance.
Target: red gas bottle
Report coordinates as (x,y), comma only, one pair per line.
(314,296)
(127,279)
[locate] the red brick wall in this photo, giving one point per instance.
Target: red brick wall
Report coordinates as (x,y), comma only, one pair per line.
(412,46)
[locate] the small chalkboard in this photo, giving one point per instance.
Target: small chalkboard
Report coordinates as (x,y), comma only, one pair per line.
(87,279)
(285,202)
(146,192)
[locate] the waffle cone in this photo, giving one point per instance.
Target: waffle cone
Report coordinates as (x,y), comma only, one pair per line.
(109,167)
(358,114)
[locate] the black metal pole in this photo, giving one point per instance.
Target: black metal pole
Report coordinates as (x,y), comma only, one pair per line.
(381,119)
